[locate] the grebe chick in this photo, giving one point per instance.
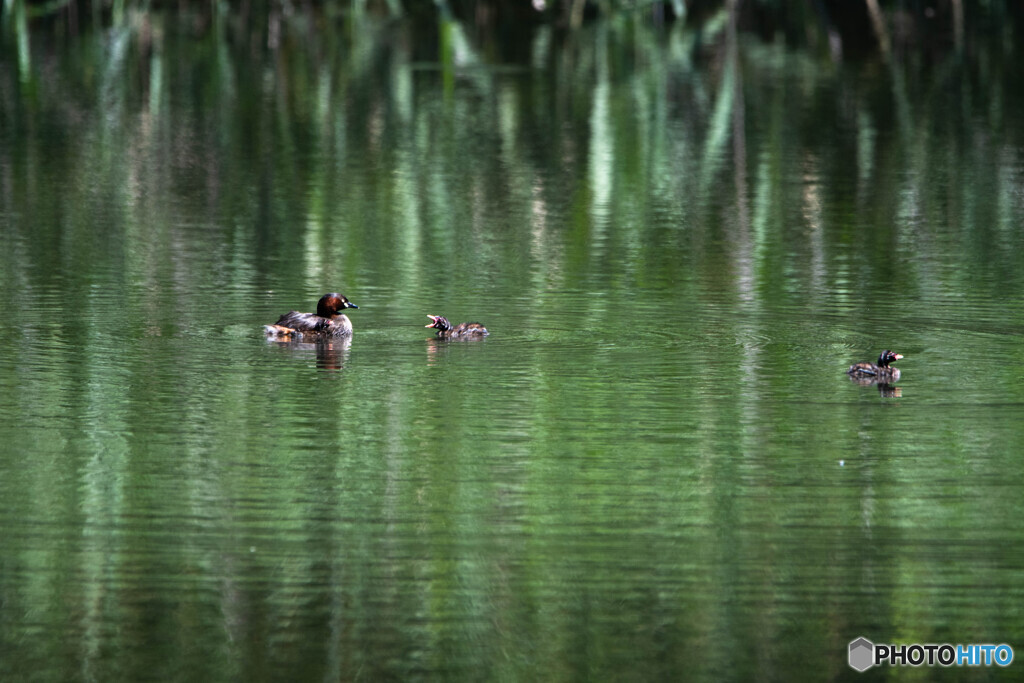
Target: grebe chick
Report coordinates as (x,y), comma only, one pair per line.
(445,330)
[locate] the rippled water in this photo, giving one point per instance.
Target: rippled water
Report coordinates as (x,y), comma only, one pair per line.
(655,466)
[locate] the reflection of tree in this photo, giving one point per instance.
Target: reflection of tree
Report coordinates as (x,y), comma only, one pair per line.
(342,129)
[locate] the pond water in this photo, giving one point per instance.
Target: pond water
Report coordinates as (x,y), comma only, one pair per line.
(654,467)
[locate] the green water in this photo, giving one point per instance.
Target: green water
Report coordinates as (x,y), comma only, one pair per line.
(654,468)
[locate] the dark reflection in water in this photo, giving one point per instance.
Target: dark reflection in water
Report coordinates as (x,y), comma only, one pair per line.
(679,235)
(885,389)
(889,391)
(330,354)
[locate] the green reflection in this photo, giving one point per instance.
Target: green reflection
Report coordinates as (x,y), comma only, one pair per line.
(679,234)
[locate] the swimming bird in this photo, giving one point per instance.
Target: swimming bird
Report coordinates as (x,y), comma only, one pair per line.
(327,322)
(445,330)
(880,372)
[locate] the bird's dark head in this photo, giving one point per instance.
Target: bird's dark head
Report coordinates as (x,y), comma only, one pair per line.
(332,304)
(439,322)
(887,357)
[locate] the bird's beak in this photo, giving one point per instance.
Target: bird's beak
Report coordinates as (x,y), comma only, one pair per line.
(433,320)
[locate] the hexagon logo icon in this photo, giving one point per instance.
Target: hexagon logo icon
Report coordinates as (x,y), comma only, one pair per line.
(862,654)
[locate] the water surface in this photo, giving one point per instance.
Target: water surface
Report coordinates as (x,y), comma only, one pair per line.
(655,466)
